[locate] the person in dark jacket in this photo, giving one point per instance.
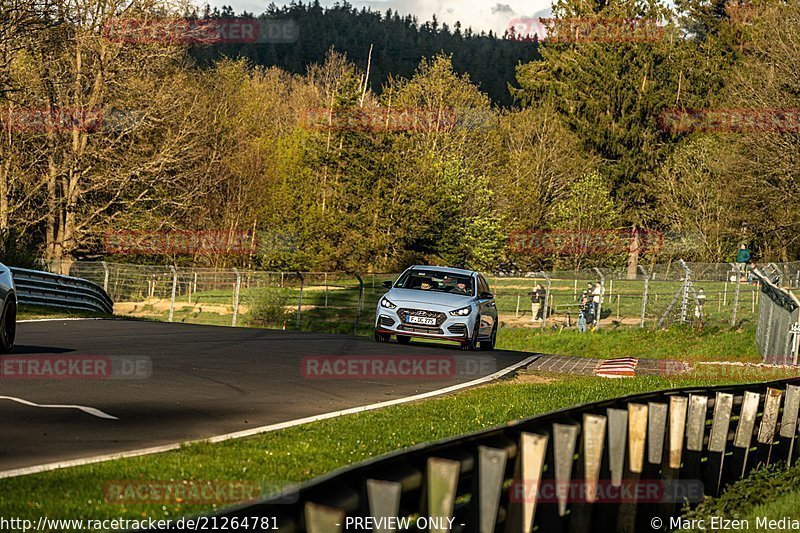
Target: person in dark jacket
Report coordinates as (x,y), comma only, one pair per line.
(584,312)
(742,258)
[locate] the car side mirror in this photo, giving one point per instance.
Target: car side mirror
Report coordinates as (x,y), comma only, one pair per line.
(486,296)
(387,284)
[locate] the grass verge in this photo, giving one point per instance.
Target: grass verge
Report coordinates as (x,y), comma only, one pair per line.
(677,343)
(31,312)
(296,454)
(770,493)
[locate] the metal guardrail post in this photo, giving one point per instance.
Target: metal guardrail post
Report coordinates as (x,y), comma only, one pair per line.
(360,300)
(236,296)
(299,300)
(174,288)
(644,293)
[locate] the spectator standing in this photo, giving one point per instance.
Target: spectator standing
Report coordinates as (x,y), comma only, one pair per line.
(597,296)
(583,311)
(536,302)
(751,266)
(700,305)
(742,258)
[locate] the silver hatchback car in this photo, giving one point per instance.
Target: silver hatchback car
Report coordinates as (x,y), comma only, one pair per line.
(438,303)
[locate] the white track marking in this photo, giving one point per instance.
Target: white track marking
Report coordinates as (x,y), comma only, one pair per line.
(88,410)
(262,429)
(58,319)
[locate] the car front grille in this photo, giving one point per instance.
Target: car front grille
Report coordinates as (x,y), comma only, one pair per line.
(419,328)
(403,313)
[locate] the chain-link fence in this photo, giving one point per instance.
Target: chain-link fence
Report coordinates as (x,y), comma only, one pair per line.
(691,293)
(778,329)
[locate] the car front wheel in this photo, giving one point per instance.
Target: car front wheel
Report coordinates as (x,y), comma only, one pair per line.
(8,326)
(488,346)
(472,344)
(382,337)
(403,339)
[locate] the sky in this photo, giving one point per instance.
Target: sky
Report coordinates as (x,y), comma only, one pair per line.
(479,14)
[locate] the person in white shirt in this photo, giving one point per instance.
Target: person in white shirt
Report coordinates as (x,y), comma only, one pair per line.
(597,296)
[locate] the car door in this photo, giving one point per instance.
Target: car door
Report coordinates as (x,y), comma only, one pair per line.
(486,308)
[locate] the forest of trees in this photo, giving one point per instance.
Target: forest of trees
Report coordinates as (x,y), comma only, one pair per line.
(194,138)
(400,42)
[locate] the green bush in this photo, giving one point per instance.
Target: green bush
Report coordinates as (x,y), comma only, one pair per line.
(270,307)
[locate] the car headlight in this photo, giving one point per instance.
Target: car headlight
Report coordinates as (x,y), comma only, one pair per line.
(387,304)
(464,311)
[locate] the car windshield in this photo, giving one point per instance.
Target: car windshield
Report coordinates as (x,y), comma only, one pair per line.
(435,281)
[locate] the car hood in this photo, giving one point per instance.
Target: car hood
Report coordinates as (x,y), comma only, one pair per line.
(401,297)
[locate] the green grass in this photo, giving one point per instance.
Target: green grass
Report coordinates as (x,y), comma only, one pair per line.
(770,492)
(30,312)
(296,454)
(677,343)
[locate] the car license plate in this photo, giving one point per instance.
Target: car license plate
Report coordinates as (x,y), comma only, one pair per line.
(427,321)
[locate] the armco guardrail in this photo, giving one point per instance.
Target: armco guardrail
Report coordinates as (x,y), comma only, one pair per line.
(35,287)
(626,464)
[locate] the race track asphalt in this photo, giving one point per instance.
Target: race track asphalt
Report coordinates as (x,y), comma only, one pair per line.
(193,382)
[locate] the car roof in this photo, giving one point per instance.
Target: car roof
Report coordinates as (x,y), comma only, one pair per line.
(445,270)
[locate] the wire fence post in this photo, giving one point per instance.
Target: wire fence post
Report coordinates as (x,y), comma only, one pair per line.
(105,275)
(545,311)
(736,295)
(299,300)
(644,294)
(516,313)
(687,280)
(174,287)
(360,300)
(236,296)
(326,289)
